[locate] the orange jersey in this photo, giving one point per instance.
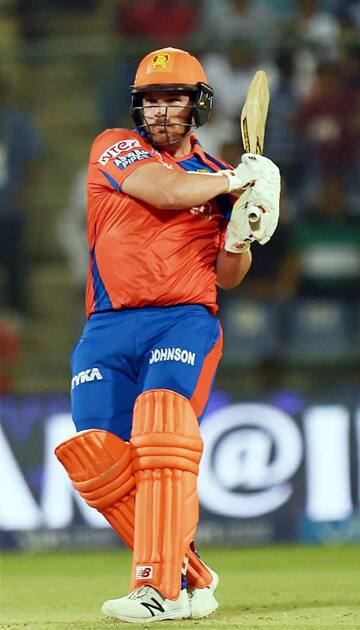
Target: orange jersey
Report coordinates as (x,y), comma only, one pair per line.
(141,255)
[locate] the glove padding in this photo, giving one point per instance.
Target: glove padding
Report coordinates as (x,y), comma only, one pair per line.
(252,168)
(264,195)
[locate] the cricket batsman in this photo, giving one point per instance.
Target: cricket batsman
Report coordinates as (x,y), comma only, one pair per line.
(161,240)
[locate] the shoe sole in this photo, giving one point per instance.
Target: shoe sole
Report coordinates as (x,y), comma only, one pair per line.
(169,615)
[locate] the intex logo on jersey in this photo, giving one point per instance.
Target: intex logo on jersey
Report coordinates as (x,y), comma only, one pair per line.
(119,147)
(86,376)
(143,572)
(130,158)
(172,354)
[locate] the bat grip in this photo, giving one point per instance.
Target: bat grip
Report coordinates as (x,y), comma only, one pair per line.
(254,214)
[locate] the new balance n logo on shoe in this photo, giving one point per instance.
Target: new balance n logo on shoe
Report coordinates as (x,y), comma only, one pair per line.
(86,376)
(153,608)
(145,605)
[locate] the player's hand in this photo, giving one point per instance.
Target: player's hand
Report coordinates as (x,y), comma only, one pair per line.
(252,168)
(265,195)
(263,200)
(239,231)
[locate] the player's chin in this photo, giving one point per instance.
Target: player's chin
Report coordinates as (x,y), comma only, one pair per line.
(166,136)
(175,135)
(159,132)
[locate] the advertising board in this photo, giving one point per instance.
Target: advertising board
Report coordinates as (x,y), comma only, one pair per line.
(283,469)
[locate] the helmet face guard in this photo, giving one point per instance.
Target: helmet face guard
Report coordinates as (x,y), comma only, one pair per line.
(171,70)
(201,100)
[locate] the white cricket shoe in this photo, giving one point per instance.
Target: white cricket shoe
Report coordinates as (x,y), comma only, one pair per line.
(202,600)
(145,604)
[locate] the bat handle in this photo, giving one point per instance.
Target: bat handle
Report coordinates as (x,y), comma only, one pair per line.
(254,214)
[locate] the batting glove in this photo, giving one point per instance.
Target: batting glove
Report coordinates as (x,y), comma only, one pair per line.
(261,202)
(252,168)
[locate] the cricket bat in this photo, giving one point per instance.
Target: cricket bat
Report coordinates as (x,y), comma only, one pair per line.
(253,121)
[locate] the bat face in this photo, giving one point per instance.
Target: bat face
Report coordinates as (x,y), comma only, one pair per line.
(254,114)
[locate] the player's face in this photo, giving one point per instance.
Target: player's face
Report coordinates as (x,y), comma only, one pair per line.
(168,116)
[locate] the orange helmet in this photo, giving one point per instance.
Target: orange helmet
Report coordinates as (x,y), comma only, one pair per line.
(172,69)
(169,66)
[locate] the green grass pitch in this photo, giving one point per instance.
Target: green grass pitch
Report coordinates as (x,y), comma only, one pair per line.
(271,587)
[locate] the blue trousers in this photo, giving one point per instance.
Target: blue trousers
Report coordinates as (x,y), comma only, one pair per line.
(124,353)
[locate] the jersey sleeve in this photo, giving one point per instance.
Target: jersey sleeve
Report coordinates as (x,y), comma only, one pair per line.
(115,154)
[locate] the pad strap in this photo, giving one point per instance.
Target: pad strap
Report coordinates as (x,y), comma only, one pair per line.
(197,573)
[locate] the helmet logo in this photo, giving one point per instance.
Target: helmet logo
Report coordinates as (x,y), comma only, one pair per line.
(160,61)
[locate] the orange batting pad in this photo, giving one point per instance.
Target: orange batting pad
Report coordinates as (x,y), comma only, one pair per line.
(197,574)
(98,464)
(166,451)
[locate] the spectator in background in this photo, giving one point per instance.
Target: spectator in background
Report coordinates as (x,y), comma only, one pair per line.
(354,10)
(71,229)
(230,72)
(33,19)
(247,20)
(312,26)
(170,21)
(140,20)
(20,147)
(327,123)
(283,143)
(36,18)
(350,70)
(274,274)
(328,243)
(219,133)
(348,14)
(350,67)
(314,33)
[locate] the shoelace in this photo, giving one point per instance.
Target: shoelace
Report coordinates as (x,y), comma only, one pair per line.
(141,592)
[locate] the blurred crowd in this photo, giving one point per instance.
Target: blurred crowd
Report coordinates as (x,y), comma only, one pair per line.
(310,50)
